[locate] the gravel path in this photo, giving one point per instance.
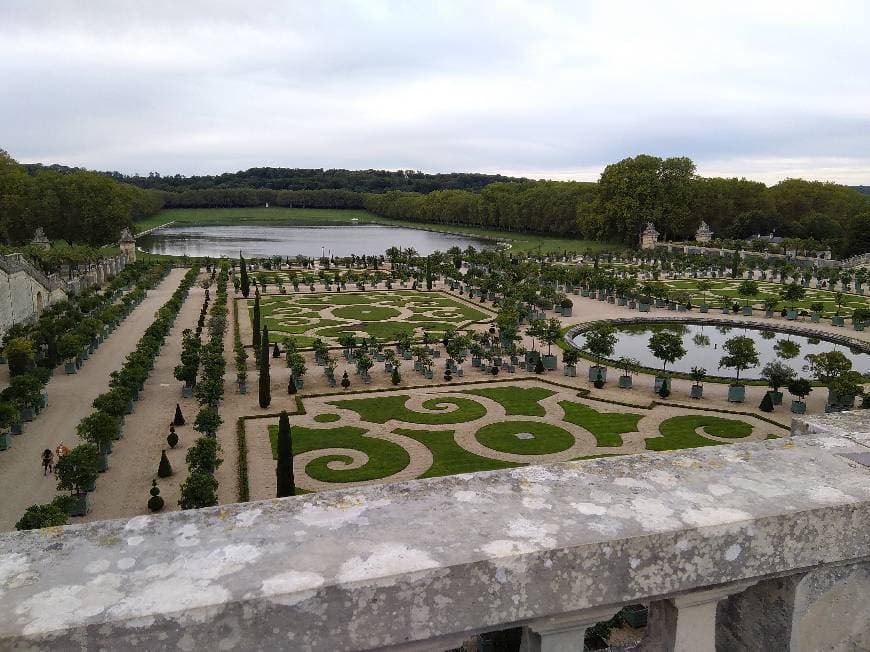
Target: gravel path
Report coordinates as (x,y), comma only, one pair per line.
(69,400)
(123,489)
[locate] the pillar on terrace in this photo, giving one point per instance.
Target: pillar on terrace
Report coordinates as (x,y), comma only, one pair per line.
(128,245)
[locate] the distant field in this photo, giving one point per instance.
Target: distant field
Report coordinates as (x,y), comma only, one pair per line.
(520,242)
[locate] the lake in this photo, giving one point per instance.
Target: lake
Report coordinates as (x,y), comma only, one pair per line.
(257,241)
(704,348)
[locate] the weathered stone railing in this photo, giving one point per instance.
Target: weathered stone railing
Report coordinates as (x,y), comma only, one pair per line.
(759,546)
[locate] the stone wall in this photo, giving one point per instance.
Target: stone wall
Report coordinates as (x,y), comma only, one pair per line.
(25,291)
(760,546)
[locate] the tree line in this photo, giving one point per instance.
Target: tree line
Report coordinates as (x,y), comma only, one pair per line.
(78,206)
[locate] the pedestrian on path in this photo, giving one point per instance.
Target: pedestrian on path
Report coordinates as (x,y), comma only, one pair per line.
(47,462)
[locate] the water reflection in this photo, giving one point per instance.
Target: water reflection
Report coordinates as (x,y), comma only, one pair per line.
(259,241)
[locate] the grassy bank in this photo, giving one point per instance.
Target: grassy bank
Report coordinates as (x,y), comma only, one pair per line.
(520,242)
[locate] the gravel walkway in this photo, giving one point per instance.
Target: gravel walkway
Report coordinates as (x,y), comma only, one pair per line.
(69,400)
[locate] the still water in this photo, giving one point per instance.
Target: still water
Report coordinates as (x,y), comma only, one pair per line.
(704,348)
(260,241)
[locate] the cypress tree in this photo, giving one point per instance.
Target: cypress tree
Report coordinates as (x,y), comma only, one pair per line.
(165,468)
(284,467)
(255,320)
(243,271)
(265,380)
(179,417)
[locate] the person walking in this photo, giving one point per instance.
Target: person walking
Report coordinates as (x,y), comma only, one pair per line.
(47,462)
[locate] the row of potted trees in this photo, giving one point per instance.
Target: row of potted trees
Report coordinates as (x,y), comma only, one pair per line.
(78,469)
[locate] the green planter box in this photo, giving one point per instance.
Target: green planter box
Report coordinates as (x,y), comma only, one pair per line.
(593,373)
(549,362)
(5,440)
(776,396)
(747,311)
(798,407)
(838,320)
(736,393)
(187,392)
(726,310)
(815,318)
(27,414)
(791,315)
(69,367)
(569,370)
(643,307)
(704,308)
(625,382)
(697,391)
(660,381)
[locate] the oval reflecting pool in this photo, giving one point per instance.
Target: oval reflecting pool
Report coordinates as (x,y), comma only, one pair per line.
(703,344)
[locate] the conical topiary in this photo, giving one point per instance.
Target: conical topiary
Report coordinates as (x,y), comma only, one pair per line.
(539,366)
(172,438)
(155,503)
(766,403)
(291,386)
(447,375)
(345,381)
(396,378)
(179,417)
(284,467)
(276,352)
(164,470)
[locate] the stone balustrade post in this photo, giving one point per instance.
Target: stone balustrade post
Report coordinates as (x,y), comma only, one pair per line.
(564,633)
(687,623)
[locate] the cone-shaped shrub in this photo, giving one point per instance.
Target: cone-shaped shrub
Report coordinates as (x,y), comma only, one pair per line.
(395,378)
(155,503)
(164,470)
(345,381)
(291,386)
(179,417)
(766,403)
(539,366)
(284,468)
(276,352)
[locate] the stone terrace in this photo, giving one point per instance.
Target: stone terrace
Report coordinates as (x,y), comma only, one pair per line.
(747,547)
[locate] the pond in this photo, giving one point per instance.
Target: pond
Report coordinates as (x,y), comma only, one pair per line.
(260,241)
(703,344)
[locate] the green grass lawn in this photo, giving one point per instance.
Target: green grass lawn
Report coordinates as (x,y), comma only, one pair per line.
(373,312)
(606,426)
(449,457)
(543,438)
(679,432)
(725,292)
(384,408)
(521,401)
(385,458)
(520,242)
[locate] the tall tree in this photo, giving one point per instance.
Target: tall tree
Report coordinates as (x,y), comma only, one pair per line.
(284,467)
(265,379)
(255,320)
(243,273)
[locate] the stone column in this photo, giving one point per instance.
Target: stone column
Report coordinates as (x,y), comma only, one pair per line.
(564,633)
(686,623)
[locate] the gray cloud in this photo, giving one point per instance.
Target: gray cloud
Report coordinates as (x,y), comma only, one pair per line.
(551,89)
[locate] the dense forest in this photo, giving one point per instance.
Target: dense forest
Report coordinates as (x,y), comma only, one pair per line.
(359,181)
(76,206)
(629,193)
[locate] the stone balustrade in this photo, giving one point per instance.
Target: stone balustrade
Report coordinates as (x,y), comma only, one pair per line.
(760,546)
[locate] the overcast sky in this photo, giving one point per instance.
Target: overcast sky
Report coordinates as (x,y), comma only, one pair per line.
(542,89)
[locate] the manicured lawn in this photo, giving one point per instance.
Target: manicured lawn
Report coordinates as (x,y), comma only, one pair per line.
(522,401)
(385,458)
(679,432)
(535,438)
(449,457)
(382,409)
(374,312)
(725,291)
(606,426)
